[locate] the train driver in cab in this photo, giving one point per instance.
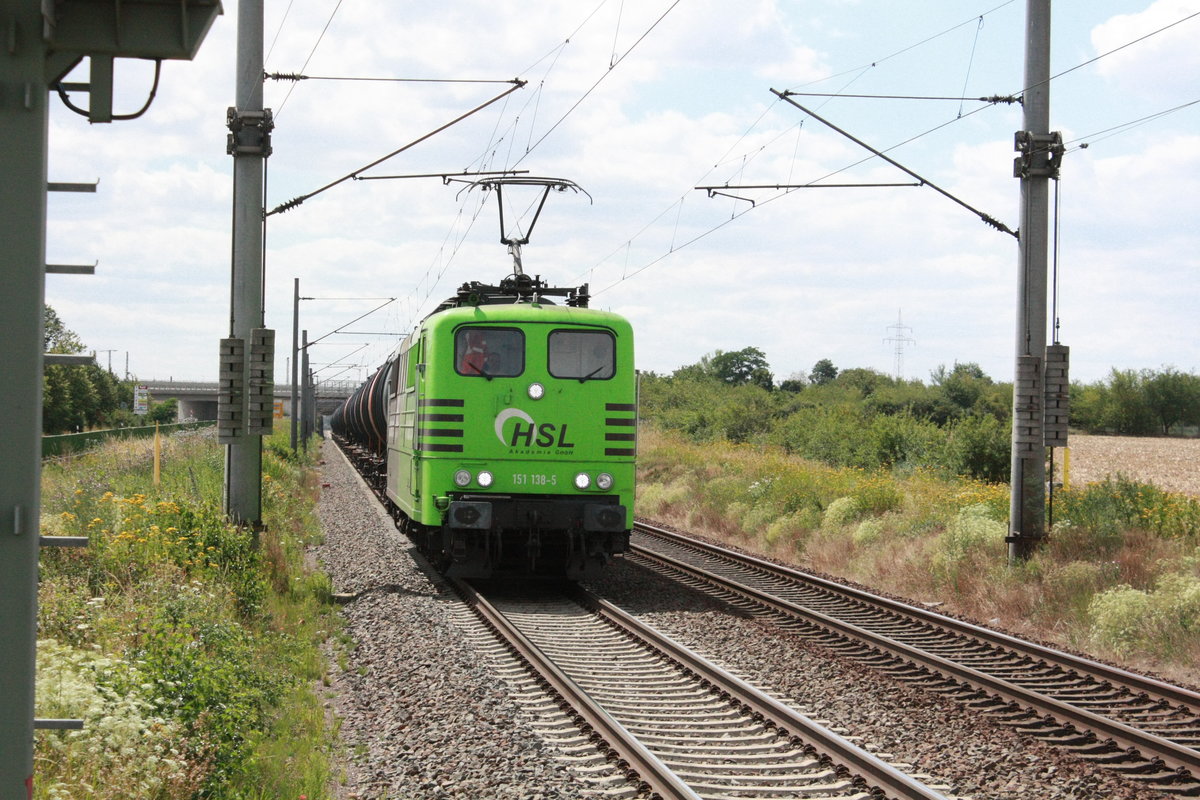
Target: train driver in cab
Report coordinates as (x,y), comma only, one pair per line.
(473,357)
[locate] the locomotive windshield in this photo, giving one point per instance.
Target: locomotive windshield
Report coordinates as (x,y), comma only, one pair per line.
(581,354)
(489,352)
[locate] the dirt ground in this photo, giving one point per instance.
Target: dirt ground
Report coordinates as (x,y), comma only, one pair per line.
(1171,464)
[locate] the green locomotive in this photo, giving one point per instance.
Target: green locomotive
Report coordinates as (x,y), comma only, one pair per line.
(503,430)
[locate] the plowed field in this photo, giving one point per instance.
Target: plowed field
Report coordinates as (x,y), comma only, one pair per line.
(1171,464)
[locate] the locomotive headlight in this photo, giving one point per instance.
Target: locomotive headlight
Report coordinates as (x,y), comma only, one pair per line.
(462,478)
(485,479)
(536,391)
(582,481)
(604,481)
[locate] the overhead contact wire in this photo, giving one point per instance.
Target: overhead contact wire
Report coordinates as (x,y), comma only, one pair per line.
(297,201)
(311,53)
(599,80)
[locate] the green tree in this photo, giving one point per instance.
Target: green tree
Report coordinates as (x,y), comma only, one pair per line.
(794,382)
(701,370)
(966,389)
(1087,406)
(980,446)
(738,368)
(57,410)
(165,412)
(866,380)
(57,338)
(1126,410)
(823,372)
(76,397)
(1173,397)
(62,407)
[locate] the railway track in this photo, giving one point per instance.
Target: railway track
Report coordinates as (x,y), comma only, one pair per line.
(679,725)
(1146,729)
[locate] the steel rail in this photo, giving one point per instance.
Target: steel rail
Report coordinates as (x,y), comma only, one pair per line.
(646,766)
(877,773)
(1132,681)
(1148,745)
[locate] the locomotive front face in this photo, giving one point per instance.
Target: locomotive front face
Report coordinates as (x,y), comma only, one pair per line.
(525,434)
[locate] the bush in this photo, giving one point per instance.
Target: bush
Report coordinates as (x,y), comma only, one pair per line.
(211,668)
(979,447)
(1106,507)
(970,538)
(877,495)
(126,747)
(1164,621)
(794,527)
(868,532)
(899,440)
(1073,585)
(840,512)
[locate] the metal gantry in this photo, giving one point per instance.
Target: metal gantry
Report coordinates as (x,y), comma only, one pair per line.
(42,42)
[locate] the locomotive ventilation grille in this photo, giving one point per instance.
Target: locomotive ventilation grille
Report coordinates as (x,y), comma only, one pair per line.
(620,429)
(435,431)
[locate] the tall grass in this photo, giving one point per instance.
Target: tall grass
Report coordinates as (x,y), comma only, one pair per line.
(181,640)
(1119,574)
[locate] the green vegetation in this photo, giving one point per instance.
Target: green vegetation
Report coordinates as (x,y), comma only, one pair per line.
(1120,573)
(189,648)
(958,425)
(1138,403)
(853,418)
(81,398)
(902,486)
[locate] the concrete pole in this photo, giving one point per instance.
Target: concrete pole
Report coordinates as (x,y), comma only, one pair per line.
(24,131)
(1027,515)
(295,365)
(243,460)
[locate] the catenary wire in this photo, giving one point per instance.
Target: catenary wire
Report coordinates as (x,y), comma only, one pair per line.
(1130,43)
(1125,127)
(311,53)
(279,30)
(599,80)
(904,50)
(857,72)
(556,51)
(1118,129)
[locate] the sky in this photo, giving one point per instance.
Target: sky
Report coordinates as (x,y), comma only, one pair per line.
(637,107)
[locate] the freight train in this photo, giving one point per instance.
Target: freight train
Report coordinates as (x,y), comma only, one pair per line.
(501,433)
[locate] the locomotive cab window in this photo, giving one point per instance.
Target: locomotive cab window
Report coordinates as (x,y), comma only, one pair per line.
(489,352)
(583,355)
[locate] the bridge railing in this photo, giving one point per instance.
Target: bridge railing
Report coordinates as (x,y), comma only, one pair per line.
(78,442)
(323,389)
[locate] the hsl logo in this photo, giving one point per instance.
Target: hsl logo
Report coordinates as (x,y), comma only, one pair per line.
(530,434)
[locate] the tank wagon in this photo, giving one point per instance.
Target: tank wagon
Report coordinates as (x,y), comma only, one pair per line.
(502,432)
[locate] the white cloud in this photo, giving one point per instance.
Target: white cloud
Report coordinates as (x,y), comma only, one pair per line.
(811,274)
(1162,66)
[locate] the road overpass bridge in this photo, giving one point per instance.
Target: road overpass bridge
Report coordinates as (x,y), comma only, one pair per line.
(198,399)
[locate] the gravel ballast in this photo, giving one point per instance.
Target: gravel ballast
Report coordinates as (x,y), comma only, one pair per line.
(423,713)
(935,737)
